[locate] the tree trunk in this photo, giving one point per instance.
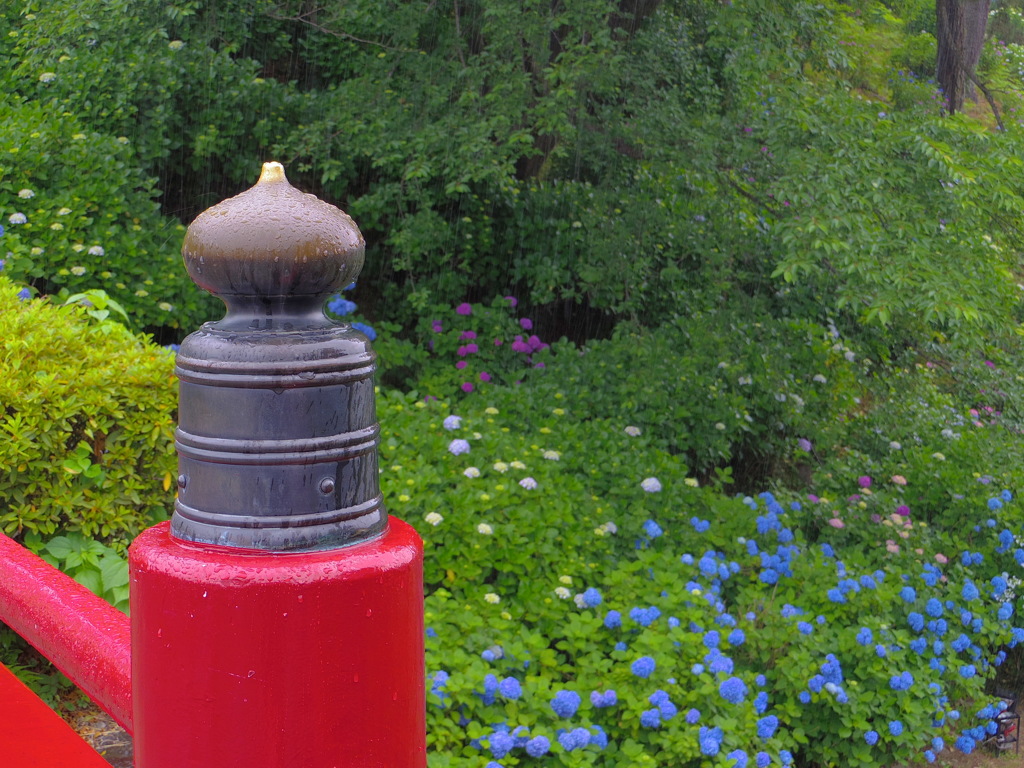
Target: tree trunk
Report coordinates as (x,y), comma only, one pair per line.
(960,33)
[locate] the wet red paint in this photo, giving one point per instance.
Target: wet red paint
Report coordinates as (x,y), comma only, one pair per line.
(83,635)
(33,736)
(262,660)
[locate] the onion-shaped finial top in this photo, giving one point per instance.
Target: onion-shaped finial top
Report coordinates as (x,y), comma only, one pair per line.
(270,243)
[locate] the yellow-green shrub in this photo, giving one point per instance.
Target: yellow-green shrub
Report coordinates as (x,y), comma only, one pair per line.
(87,414)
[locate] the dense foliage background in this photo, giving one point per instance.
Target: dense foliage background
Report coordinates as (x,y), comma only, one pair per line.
(699,326)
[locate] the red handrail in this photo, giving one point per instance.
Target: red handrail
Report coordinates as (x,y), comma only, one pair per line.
(84,636)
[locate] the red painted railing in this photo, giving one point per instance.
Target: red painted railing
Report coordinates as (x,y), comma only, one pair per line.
(84,636)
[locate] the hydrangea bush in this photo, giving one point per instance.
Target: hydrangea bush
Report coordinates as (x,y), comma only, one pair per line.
(580,613)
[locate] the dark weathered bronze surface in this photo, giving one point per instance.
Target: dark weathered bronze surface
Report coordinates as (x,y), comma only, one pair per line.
(277,436)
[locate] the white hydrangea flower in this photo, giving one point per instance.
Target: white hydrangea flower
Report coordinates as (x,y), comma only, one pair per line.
(79,271)
(819,378)
(611,527)
(651,484)
(632,431)
(578,599)
(564,579)
(500,466)
(17,218)
(492,598)
(96,250)
(484,529)
(517,465)
(894,446)
(562,593)
(471,472)
(47,77)
(552,455)
(25,194)
(176,45)
(63,211)
(433,518)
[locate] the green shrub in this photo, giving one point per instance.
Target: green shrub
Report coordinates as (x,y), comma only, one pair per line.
(87,413)
(916,54)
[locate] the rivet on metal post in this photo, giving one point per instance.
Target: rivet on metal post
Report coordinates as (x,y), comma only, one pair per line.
(277,436)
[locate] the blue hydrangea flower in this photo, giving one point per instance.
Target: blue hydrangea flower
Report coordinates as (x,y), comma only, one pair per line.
(592,597)
(733,690)
(916,621)
(341,306)
(805,628)
(601,699)
(645,616)
(510,688)
(613,620)
(762,760)
(739,757)
(366,330)
(501,744)
(864,636)
(895,727)
(871,737)
(766,727)
(786,756)
(650,718)
(761,702)
(565,703)
(538,746)
(577,738)
(711,639)
(969,592)
(934,608)
(693,716)
(652,529)
(908,594)
(643,667)
(737,637)
(998,586)
(804,697)
(965,744)
(709,739)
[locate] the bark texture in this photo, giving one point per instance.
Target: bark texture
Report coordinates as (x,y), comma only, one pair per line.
(960,33)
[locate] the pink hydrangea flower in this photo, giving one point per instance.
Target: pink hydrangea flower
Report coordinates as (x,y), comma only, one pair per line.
(941,559)
(835,522)
(899,479)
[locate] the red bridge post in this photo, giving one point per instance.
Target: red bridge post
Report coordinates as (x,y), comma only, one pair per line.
(277,620)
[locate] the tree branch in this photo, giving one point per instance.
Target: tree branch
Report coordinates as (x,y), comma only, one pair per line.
(301,19)
(988,97)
